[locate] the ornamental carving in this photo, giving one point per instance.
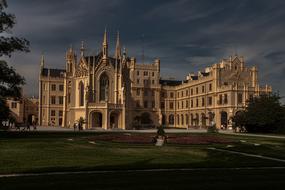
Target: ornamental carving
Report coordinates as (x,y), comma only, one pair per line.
(82,69)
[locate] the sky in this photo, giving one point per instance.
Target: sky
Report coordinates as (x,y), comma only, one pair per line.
(186,35)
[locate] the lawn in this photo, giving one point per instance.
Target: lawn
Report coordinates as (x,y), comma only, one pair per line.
(65,151)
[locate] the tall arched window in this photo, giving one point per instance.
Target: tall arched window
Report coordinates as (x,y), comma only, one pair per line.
(81,93)
(182,119)
(104,87)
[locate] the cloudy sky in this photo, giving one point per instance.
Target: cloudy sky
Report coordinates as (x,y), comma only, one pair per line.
(186,35)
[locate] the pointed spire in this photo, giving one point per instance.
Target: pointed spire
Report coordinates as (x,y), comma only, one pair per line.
(105,45)
(118,47)
(42,60)
(82,49)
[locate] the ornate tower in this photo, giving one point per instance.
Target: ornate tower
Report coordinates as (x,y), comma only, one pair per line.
(118,54)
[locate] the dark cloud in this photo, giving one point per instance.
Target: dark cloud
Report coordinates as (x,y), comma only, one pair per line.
(187,35)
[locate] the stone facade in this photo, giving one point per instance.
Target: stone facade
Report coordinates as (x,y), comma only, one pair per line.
(117,92)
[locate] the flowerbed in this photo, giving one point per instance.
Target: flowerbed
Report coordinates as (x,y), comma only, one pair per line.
(171,139)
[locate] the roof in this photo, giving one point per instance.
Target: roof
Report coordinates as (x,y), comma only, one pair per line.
(53,72)
(170,82)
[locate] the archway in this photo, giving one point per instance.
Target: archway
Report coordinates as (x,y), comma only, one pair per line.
(224,119)
(114,120)
(96,119)
(146,120)
(31,119)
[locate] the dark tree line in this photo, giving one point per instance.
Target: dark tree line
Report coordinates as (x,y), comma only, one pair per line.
(10,81)
(263,114)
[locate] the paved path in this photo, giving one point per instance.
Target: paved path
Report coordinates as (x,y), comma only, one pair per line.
(136,171)
(227,132)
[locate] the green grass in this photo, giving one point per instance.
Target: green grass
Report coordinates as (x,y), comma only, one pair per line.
(42,152)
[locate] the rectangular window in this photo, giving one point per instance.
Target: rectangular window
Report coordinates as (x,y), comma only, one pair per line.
(171,94)
(138,81)
(14,105)
(152,93)
(52,100)
(197,102)
(60,113)
(69,97)
(53,87)
(220,99)
(187,93)
(138,104)
(210,87)
(61,87)
(203,101)
(52,112)
(203,89)
(225,99)
(191,103)
(240,98)
(209,101)
(138,92)
(153,104)
(152,82)
(153,74)
(145,73)
(145,92)
(145,104)
(171,106)
(191,91)
(187,104)
(162,105)
(138,73)
(197,90)
(60,100)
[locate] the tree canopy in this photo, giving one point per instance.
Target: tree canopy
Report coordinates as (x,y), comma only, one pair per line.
(10,80)
(262,114)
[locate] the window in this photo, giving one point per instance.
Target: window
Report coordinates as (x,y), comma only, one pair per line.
(53,87)
(182,94)
(209,101)
(153,74)
(152,93)
(182,105)
(225,99)
(153,104)
(145,73)
(191,103)
(52,100)
(81,93)
(138,92)
(60,100)
(197,90)
(171,106)
(187,93)
(152,82)
(220,99)
(182,119)
(138,73)
(171,119)
(203,101)
(69,97)
(145,104)
(145,82)
(162,105)
(61,87)
(187,104)
(171,94)
(60,113)
(210,87)
(104,87)
(145,92)
(191,91)
(197,102)
(14,105)
(203,89)
(240,98)
(138,81)
(138,104)
(162,95)
(52,112)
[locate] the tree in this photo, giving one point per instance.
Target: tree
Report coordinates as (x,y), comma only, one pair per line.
(263,114)
(10,81)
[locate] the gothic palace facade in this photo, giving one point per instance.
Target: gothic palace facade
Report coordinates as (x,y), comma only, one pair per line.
(117,92)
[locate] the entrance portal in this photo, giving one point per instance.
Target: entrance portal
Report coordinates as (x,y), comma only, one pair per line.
(96,119)
(114,120)
(224,119)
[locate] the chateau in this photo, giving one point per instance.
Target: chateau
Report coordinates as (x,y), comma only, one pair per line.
(117,92)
